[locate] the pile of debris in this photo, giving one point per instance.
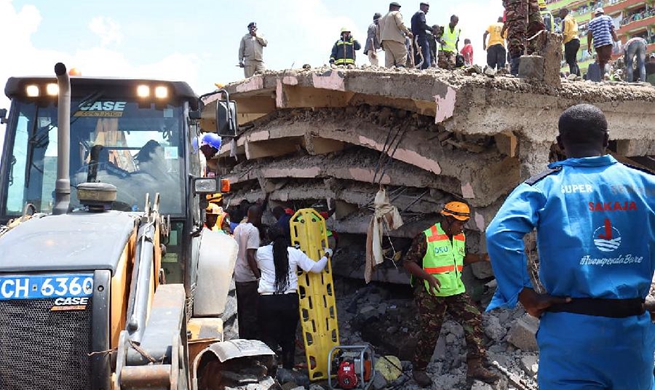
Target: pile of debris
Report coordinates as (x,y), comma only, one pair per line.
(330,138)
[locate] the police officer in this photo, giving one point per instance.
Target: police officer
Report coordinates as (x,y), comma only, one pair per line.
(436,258)
(595,224)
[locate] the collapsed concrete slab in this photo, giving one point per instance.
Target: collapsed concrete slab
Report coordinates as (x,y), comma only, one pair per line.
(311,136)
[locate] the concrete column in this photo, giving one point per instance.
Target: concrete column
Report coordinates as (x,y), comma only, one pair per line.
(533,157)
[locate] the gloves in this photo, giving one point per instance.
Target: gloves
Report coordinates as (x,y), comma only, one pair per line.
(328,252)
(242,65)
(331,60)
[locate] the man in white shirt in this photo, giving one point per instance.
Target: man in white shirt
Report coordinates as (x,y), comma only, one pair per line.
(246,273)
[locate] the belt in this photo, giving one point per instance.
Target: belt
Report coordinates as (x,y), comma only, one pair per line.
(284,293)
(612,308)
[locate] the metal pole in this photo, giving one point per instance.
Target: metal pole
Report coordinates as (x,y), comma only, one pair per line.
(62,186)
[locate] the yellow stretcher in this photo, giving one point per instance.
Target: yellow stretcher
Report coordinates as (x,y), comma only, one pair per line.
(318,310)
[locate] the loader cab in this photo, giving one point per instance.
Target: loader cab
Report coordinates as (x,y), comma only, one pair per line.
(142,134)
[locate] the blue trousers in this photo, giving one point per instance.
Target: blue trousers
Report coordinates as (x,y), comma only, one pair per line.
(580,352)
(425,49)
(638,49)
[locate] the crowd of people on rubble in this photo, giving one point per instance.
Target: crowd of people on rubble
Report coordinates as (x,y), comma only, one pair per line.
(422,46)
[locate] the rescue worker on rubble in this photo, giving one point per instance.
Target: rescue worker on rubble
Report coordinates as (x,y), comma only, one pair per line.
(449,42)
(372,40)
(343,51)
(392,37)
(209,145)
(251,51)
(421,29)
(595,221)
(519,31)
(211,217)
(222,222)
(435,261)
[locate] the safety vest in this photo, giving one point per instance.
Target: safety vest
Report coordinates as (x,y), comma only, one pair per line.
(450,39)
(444,259)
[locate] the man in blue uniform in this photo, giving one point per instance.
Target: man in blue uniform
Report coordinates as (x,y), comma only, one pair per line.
(595,224)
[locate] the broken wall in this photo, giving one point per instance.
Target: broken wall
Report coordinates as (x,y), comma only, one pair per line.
(331,136)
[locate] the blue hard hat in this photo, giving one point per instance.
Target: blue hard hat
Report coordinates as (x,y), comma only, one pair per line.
(211,139)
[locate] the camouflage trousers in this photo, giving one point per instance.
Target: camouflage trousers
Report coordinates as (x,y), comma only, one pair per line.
(523,22)
(446,59)
(432,311)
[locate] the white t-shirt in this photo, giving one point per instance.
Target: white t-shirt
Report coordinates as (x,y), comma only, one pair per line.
(247,236)
(297,258)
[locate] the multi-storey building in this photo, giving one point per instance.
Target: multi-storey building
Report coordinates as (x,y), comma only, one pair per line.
(632,18)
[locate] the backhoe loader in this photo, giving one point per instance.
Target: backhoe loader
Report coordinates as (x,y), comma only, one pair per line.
(107,278)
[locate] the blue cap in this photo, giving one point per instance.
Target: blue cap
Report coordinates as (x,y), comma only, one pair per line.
(211,139)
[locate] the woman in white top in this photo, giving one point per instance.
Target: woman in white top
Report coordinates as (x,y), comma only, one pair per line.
(278,291)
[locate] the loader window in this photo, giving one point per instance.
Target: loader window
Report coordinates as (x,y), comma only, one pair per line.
(141,152)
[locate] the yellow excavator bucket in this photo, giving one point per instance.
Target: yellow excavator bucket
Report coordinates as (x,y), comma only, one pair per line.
(318,309)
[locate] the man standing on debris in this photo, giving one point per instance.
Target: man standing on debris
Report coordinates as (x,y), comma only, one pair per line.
(571,40)
(392,36)
(601,37)
(519,31)
(595,221)
(372,41)
(449,43)
(635,47)
(436,259)
(251,51)
(246,273)
(420,29)
(343,51)
(496,53)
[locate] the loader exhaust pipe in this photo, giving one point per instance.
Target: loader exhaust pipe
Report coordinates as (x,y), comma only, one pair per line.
(63,185)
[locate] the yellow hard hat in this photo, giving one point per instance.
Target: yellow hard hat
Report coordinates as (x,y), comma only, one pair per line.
(457,210)
(215,198)
(213,209)
(344,29)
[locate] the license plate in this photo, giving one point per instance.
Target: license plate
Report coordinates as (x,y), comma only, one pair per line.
(45,286)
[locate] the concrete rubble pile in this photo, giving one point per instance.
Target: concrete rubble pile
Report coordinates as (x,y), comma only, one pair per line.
(329,138)
(319,137)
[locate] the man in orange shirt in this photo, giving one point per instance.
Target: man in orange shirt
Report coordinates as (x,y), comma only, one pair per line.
(496,53)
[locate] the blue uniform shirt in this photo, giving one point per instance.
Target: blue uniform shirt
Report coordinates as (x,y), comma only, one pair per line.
(595,226)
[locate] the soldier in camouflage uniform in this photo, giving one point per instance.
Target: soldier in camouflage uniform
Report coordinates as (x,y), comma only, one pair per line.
(521,27)
(435,260)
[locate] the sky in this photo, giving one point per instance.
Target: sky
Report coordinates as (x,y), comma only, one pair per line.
(197,41)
